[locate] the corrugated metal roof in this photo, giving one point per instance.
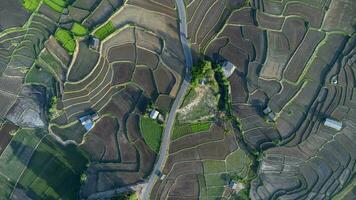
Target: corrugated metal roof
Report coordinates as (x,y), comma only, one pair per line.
(333,124)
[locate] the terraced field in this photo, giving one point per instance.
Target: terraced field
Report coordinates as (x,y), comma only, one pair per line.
(295,59)
(295,67)
(50,57)
(200,165)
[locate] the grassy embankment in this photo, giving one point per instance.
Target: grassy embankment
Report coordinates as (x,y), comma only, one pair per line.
(152,133)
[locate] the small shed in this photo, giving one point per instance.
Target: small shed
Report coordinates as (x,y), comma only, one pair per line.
(333,124)
(88,121)
(94,117)
(154,114)
(162,177)
(228,68)
(94,43)
(267,110)
(233,185)
(271,116)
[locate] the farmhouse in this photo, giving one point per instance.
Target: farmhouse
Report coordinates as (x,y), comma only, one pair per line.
(233,185)
(228,68)
(333,124)
(271,116)
(88,121)
(154,114)
(267,110)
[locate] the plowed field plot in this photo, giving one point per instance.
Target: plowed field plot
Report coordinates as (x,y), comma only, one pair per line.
(6,130)
(12,14)
(84,63)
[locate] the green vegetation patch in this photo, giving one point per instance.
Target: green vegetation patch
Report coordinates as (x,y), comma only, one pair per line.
(187,129)
(152,133)
(189,97)
(74,131)
(237,160)
(79,30)
(223,84)
(52,108)
(203,72)
(215,180)
(15,157)
(126,196)
(214,166)
(31,5)
(54,171)
(66,39)
(202,187)
(218,173)
(57,5)
(41,76)
(51,64)
(200,105)
(214,192)
(105,30)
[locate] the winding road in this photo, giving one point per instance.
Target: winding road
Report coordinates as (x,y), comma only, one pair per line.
(178,100)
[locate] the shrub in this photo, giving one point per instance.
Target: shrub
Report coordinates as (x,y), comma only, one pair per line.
(224,101)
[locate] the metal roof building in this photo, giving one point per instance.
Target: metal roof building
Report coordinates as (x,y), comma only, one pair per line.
(86,122)
(94,43)
(333,124)
(228,68)
(154,114)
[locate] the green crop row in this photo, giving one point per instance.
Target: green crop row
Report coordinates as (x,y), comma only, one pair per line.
(57,5)
(66,39)
(31,5)
(182,130)
(105,30)
(79,30)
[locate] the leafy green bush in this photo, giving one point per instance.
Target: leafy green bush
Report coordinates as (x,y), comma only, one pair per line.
(200,72)
(223,83)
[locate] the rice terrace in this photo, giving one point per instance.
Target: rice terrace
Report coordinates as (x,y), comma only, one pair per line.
(178,99)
